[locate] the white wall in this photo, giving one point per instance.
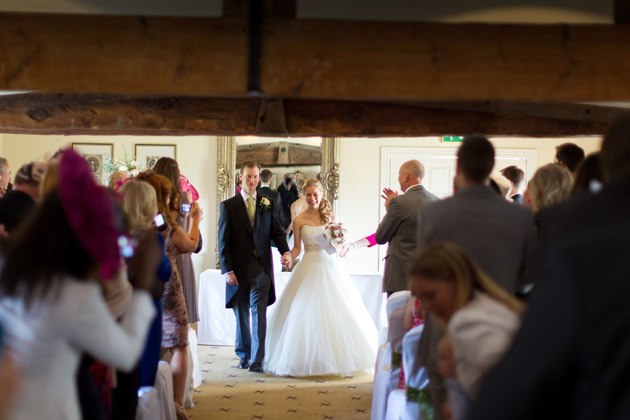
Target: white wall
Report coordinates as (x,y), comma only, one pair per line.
(197,157)
(359,192)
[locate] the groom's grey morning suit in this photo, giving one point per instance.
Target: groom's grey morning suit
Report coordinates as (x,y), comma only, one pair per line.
(245,249)
(398,227)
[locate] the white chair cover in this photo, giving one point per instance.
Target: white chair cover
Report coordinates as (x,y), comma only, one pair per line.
(193,373)
(396,300)
(416,377)
(164,388)
(148,404)
(396,405)
(381,382)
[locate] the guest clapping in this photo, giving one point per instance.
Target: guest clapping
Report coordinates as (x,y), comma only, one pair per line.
(52,307)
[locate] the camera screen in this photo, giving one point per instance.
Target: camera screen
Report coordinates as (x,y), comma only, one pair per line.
(186,208)
(159,220)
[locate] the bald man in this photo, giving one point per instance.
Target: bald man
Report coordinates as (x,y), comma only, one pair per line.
(398,227)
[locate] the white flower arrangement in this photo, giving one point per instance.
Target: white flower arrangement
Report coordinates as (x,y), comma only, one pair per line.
(126,164)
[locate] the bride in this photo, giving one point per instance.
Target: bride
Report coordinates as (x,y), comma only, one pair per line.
(320,325)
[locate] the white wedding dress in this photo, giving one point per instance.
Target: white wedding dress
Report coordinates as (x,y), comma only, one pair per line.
(320,325)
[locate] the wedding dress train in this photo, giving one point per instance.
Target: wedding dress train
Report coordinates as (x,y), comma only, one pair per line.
(320,325)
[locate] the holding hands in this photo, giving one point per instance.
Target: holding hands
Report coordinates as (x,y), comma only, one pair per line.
(388,194)
(286,260)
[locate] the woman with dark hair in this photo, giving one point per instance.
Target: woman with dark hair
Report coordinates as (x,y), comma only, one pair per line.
(181,207)
(174,315)
(588,176)
(52,306)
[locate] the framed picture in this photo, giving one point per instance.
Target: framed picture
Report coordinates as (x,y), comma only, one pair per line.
(148,154)
(94,154)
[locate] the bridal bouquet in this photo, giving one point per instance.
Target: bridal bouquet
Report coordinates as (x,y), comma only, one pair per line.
(335,234)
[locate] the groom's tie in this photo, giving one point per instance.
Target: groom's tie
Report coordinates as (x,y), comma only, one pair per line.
(251,209)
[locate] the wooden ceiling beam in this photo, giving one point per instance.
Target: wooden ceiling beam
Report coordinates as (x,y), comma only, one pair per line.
(119,115)
(315,59)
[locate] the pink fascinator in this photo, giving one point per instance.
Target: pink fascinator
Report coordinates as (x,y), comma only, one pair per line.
(185,186)
(90,211)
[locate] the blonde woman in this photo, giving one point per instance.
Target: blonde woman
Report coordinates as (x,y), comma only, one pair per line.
(481,318)
(550,185)
(320,325)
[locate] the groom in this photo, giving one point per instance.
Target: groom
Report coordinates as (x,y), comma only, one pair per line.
(247,225)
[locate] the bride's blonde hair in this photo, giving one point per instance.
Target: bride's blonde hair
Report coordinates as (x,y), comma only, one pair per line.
(325,209)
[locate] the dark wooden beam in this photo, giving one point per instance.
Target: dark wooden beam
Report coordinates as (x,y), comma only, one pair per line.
(315,59)
(279,154)
(120,115)
(621,11)
(270,8)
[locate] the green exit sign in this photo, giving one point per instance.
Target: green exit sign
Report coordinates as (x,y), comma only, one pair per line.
(452,139)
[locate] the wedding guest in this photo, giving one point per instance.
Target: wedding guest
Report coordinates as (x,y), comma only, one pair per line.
(174,315)
(266,191)
(298,205)
(550,185)
(569,155)
(16,205)
(458,405)
(499,236)
(579,312)
(116,179)
(180,207)
(288,193)
(515,176)
(5,175)
(52,307)
(480,316)
(588,177)
(398,227)
(502,185)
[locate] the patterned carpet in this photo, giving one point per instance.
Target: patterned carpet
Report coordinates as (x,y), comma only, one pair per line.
(231,393)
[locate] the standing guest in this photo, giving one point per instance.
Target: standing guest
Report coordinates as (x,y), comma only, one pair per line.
(588,177)
(174,314)
(399,225)
(116,179)
(247,225)
(515,175)
(579,314)
(5,176)
(550,185)
(288,193)
(52,307)
(481,318)
(499,236)
(180,208)
(16,205)
(266,191)
(569,155)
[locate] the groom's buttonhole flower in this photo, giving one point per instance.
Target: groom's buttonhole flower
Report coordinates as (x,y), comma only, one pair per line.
(265,203)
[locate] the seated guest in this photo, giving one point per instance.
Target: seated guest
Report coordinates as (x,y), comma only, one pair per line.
(588,177)
(52,307)
(458,403)
(16,205)
(481,318)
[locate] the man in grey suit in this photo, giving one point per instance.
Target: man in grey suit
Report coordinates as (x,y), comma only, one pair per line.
(398,227)
(498,235)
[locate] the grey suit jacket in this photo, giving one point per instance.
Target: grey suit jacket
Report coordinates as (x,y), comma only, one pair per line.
(398,227)
(498,235)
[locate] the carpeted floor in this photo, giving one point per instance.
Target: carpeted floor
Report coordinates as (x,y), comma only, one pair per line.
(231,393)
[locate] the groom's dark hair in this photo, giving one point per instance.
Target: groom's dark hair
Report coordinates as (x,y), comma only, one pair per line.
(249,164)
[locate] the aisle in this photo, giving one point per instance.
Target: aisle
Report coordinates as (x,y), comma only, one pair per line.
(230,393)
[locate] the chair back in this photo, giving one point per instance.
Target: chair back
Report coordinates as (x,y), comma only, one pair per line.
(396,300)
(419,405)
